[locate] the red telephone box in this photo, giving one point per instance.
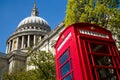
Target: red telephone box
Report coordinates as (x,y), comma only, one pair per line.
(86,51)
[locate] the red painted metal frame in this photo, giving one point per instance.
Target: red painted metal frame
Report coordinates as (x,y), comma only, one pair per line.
(74,39)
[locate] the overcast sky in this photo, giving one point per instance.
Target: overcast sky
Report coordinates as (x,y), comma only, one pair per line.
(12,12)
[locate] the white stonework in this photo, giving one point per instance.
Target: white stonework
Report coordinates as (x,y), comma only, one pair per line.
(48,42)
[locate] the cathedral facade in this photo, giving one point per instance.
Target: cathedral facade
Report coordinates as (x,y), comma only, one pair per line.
(31,32)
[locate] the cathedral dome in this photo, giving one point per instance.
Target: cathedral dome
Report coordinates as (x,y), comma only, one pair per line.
(33,19)
(28,33)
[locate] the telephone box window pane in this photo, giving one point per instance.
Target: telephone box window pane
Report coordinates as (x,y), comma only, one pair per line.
(69,77)
(100,48)
(103,60)
(65,69)
(64,57)
(107,74)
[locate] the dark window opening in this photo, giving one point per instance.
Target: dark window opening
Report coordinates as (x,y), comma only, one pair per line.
(31,40)
(107,74)
(99,48)
(25,41)
(19,42)
(42,37)
(103,60)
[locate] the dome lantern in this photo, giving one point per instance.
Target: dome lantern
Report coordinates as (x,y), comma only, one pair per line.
(33,19)
(34,11)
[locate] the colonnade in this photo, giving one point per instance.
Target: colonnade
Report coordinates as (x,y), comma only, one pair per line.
(22,42)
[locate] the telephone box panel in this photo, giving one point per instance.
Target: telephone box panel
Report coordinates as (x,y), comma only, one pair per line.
(86,51)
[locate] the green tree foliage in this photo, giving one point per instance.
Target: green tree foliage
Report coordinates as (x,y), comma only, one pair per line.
(23,75)
(44,68)
(44,64)
(102,12)
(71,12)
(105,13)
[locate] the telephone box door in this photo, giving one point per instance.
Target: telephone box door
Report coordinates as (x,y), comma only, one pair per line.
(103,59)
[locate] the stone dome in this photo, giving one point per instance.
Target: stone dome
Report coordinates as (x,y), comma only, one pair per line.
(29,32)
(33,19)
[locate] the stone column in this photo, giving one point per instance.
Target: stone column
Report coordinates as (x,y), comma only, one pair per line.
(12,44)
(7,47)
(39,38)
(34,39)
(28,43)
(22,42)
(17,44)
